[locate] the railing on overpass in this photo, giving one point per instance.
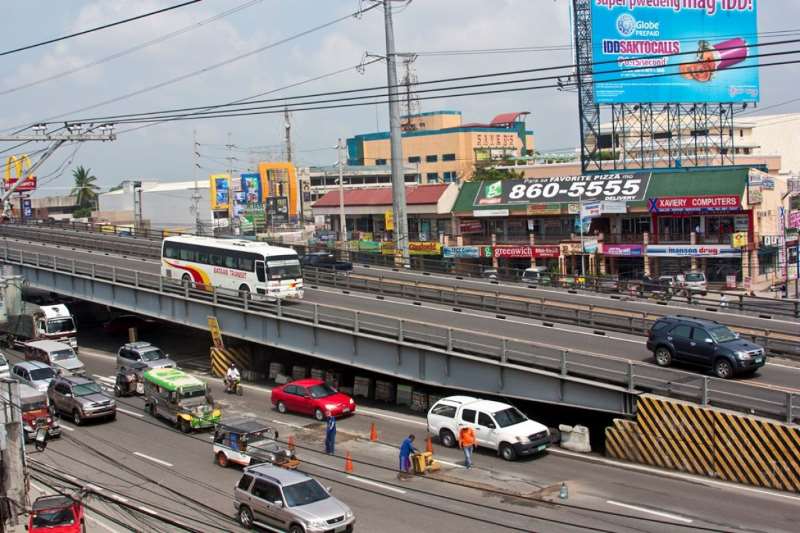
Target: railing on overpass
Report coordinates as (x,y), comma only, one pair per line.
(634,377)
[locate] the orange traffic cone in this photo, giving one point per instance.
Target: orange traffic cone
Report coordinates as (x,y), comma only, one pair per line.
(429,445)
(348,463)
(373,433)
(291,442)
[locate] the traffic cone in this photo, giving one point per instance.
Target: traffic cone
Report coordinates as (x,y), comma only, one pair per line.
(348,463)
(429,445)
(291,442)
(373,433)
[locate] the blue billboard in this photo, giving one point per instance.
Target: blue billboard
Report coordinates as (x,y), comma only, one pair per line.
(635,42)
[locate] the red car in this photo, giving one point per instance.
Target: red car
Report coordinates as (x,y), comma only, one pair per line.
(312,397)
(56,514)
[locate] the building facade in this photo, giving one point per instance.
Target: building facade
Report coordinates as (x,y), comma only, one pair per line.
(443,149)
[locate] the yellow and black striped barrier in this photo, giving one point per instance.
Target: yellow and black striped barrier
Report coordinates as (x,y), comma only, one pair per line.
(221,359)
(710,442)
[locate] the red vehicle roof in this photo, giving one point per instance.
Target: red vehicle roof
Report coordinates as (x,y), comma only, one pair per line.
(308,382)
(415,195)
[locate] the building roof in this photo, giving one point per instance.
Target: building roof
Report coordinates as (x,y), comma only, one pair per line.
(508,118)
(415,195)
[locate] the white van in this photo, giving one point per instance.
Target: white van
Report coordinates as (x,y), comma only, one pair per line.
(58,355)
(499,426)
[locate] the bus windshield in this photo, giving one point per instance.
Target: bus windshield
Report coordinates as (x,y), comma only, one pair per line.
(283,269)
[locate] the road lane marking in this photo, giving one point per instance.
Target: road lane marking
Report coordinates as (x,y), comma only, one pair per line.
(148,510)
(64,426)
(376,484)
(291,425)
(105,379)
(159,461)
(132,413)
(448,463)
(668,516)
(391,417)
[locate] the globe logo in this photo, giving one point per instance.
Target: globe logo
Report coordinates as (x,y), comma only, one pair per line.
(626,24)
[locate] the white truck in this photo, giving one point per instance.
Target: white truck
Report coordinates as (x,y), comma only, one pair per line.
(39,322)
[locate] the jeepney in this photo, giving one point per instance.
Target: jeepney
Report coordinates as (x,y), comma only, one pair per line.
(180,398)
(245,441)
(36,413)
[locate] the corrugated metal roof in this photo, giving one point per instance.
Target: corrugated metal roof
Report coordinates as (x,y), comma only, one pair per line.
(415,195)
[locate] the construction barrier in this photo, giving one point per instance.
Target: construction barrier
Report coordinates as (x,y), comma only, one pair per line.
(710,442)
(221,359)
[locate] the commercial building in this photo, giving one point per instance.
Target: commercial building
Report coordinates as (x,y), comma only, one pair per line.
(442,148)
(323,179)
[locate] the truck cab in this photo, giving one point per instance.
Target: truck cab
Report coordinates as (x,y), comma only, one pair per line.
(56,323)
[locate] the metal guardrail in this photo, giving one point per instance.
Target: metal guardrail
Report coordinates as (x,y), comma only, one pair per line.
(633,376)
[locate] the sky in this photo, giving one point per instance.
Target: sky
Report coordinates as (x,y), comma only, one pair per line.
(164,152)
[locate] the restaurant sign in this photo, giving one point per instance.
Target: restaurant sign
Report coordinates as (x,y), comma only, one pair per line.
(694,204)
(512,252)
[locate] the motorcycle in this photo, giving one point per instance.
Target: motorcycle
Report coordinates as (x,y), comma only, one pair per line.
(234,386)
(129,381)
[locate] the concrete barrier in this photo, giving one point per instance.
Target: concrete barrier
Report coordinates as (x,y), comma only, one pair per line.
(710,442)
(575,438)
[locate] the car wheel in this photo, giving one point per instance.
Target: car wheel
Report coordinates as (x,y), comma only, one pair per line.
(295,528)
(507,452)
(447,438)
(282,408)
(112,417)
(222,460)
(245,517)
(151,408)
(76,417)
(319,415)
(723,369)
(663,356)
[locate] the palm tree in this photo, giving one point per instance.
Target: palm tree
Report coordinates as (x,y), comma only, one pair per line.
(85,189)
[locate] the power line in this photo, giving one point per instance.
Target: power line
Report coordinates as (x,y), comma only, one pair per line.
(98,28)
(132,49)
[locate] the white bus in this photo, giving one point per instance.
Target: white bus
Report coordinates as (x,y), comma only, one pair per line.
(249,266)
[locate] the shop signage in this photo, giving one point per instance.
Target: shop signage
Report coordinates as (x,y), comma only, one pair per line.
(15,171)
(610,207)
(730,281)
(368,246)
(754,183)
(739,239)
(767,183)
(590,246)
(388,220)
(563,189)
(471,226)
(741,224)
(414,248)
(623,250)
(27,208)
(461,251)
(574,209)
(683,204)
(544,209)
(543,252)
(772,241)
(591,209)
(708,250)
(570,248)
(491,213)
(794,219)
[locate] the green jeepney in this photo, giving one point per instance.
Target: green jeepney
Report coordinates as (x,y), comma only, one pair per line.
(180,398)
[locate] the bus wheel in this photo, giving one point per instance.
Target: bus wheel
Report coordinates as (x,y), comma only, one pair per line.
(244,289)
(186,279)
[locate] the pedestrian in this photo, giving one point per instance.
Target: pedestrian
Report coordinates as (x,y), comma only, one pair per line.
(330,433)
(723,300)
(406,449)
(466,440)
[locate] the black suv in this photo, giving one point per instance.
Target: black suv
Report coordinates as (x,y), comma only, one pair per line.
(325,261)
(704,343)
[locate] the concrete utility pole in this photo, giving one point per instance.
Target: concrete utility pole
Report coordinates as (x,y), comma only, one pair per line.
(196,194)
(13,482)
(342,219)
(396,140)
(287,125)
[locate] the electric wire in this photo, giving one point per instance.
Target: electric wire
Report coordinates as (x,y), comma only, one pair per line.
(98,28)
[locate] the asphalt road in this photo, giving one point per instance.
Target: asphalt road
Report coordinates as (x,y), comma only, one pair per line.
(147,463)
(781,374)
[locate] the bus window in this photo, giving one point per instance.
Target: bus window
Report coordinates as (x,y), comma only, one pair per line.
(260,271)
(187,254)
(246,263)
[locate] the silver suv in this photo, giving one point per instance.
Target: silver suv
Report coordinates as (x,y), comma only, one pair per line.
(143,352)
(288,500)
(81,398)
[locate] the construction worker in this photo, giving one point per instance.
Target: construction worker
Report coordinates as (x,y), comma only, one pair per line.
(406,449)
(466,441)
(330,433)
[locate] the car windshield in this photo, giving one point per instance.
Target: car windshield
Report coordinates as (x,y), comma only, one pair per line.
(721,334)
(86,389)
(284,269)
(308,491)
(152,355)
(60,325)
(62,355)
(41,374)
(509,417)
(34,405)
(696,276)
(322,390)
(54,517)
(193,393)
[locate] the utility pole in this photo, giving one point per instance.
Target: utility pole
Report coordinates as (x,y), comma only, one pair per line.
(196,194)
(342,219)
(409,79)
(287,125)
(396,141)
(229,146)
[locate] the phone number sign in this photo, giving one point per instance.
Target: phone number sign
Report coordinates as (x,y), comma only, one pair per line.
(630,187)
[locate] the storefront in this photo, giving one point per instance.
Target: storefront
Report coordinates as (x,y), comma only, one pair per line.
(623,260)
(717,260)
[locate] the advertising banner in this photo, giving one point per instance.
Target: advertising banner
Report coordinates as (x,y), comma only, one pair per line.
(794,219)
(741,223)
(369,246)
(544,209)
(689,250)
(563,189)
(414,248)
(682,51)
(388,220)
(27,208)
(471,226)
(695,204)
(461,252)
(622,250)
(220,191)
(251,187)
(754,181)
(512,252)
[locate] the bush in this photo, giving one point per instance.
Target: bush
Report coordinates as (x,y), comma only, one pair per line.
(83,212)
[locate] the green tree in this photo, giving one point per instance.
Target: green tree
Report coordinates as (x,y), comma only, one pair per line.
(494,174)
(84,190)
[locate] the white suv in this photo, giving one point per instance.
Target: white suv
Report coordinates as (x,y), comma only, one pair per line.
(497,425)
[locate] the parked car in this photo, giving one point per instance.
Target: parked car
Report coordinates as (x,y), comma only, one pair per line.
(538,274)
(120,325)
(694,282)
(80,398)
(33,373)
(498,426)
(5,369)
(58,355)
(489,273)
(287,500)
(59,513)
(703,343)
(143,352)
(312,397)
(325,261)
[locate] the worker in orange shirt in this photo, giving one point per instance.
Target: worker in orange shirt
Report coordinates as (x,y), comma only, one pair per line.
(466,441)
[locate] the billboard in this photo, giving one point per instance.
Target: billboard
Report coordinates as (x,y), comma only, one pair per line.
(644,51)
(220,191)
(252,189)
(16,166)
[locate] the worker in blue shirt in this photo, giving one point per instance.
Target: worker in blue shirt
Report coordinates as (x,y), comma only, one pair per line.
(406,449)
(330,434)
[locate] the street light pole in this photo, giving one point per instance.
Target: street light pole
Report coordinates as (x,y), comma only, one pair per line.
(342,220)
